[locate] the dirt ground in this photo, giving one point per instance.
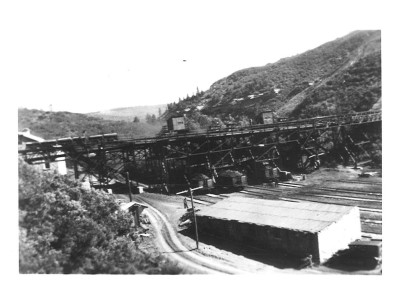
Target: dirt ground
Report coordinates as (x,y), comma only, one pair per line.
(247,258)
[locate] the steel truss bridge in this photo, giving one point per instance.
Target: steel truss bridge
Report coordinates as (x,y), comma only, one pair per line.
(170,159)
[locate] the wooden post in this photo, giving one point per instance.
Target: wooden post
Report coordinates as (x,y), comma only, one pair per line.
(76,170)
(129,186)
(194,211)
(137,222)
(195,220)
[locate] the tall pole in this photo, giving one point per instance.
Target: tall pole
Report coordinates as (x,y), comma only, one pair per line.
(194,211)
(195,220)
(129,186)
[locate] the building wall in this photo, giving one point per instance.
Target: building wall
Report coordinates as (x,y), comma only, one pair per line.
(296,243)
(267,118)
(339,235)
(176,123)
(61,166)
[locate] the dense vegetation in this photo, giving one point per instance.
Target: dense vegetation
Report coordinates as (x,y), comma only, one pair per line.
(49,125)
(340,76)
(65,228)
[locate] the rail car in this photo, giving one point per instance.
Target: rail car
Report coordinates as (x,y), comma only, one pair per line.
(231,180)
(201,180)
(266,172)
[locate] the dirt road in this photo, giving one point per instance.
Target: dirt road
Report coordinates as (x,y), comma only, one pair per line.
(171,245)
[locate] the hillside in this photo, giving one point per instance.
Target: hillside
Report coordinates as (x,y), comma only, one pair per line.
(49,125)
(129,113)
(340,76)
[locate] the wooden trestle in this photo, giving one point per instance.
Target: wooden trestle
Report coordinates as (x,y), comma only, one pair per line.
(167,159)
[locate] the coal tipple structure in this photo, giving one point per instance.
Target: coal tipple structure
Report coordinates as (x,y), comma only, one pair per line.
(175,158)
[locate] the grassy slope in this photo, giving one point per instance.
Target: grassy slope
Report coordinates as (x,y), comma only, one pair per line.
(340,76)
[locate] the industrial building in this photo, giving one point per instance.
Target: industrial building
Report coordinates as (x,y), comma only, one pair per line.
(25,137)
(297,228)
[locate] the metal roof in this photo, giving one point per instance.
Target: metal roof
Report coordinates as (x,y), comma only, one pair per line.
(366,243)
(299,216)
(30,136)
(127,206)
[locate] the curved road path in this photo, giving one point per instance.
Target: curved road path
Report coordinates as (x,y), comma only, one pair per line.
(170,243)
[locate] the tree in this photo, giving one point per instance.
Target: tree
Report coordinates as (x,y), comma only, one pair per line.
(65,228)
(148,118)
(136,119)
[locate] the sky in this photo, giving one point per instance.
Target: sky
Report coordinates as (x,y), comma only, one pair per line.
(86,56)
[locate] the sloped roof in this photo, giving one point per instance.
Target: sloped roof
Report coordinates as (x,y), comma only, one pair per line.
(299,216)
(30,136)
(230,173)
(199,176)
(127,206)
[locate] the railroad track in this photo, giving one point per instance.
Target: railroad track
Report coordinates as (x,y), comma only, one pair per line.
(369,193)
(369,203)
(329,196)
(357,182)
(263,189)
(342,190)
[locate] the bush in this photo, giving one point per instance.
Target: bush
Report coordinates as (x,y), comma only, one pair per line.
(65,228)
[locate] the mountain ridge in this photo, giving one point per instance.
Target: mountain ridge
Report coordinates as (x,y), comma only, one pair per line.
(129,113)
(292,84)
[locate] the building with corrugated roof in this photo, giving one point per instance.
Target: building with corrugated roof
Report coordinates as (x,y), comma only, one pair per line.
(25,136)
(296,228)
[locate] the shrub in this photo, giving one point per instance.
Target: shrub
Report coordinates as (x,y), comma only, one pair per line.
(65,228)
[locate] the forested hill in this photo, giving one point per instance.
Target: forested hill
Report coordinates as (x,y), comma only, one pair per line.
(50,125)
(130,113)
(340,76)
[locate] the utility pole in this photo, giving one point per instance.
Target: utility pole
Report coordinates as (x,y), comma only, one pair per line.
(129,186)
(190,191)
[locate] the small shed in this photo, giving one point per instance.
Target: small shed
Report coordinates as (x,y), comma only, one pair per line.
(176,123)
(135,208)
(59,165)
(266,117)
(297,228)
(201,180)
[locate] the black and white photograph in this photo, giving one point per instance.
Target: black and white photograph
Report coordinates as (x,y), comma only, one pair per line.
(185,143)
